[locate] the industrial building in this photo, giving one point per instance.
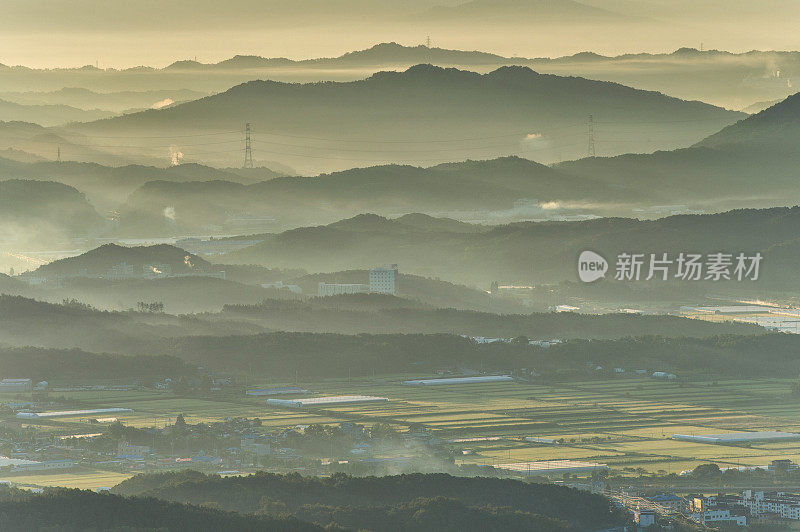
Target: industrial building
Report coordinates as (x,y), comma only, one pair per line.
(738,437)
(73,413)
(257,392)
(16,385)
(475,440)
(47,465)
(552,467)
(334,400)
(664,376)
(461,380)
(540,441)
(338,289)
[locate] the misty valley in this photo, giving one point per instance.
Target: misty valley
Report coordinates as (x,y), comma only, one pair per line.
(436,265)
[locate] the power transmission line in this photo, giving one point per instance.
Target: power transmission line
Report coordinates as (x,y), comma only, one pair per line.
(248,148)
(207,134)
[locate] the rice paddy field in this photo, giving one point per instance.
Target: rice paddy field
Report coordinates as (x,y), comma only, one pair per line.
(74,478)
(626,423)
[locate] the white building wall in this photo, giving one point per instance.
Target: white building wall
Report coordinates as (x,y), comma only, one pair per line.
(336,289)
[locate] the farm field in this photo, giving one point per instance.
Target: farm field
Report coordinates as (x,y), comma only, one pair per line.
(76,478)
(626,423)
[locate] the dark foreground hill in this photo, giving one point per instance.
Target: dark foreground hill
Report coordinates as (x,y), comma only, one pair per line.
(76,510)
(545,507)
(49,364)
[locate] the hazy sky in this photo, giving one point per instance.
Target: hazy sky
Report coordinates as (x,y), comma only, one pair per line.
(50,33)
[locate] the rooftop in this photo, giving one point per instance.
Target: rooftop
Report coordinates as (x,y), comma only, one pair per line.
(737,437)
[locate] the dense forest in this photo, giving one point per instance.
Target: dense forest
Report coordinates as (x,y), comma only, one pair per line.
(376,315)
(496,503)
(308,355)
(76,510)
(246,338)
(319,355)
(48,364)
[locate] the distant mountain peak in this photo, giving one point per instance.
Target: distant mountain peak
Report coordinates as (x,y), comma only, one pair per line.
(776,127)
(689,52)
(512,71)
(384,46)
(586,55)
(423,72)
(184,64)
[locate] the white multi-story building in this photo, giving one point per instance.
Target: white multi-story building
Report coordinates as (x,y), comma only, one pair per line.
(787,505)
(722,509)
(383,280)
(719,516)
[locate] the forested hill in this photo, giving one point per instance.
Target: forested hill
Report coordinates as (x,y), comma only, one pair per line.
(297,201)
(40,212)
(752,162)
(311,495)
(536,252)
(198,340)
(774,129)
(77,510)
(512,110)
(99,260)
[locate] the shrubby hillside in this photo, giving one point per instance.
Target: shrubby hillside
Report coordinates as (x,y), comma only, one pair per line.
(364,502)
